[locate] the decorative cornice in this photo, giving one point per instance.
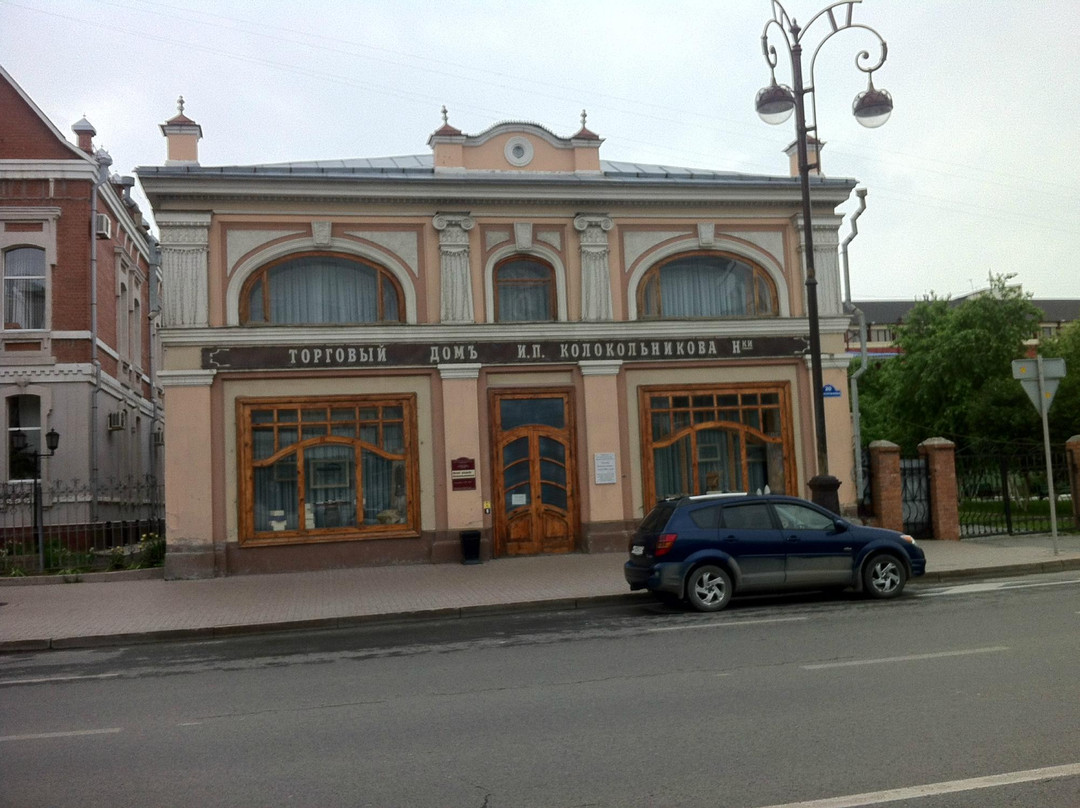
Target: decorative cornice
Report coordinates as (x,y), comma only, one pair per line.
(186,378)
(240,336)
(600,368)
(469,371)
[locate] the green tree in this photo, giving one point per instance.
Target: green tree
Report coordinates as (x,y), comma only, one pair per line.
(1064,414)
(953,377)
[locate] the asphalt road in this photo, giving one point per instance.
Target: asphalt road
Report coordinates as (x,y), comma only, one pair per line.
(951,696)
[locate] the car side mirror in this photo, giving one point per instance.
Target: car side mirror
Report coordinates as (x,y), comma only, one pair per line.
(840,525)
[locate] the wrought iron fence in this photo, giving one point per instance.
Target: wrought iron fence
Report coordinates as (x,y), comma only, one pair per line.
(115,525)
(1009,494)
(915,498)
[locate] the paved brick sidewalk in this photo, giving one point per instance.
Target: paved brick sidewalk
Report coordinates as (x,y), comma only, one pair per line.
(56,615)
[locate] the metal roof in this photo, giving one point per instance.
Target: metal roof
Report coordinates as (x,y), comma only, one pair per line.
(422,166)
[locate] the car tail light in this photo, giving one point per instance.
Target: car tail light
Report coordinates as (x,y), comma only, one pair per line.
(664,542)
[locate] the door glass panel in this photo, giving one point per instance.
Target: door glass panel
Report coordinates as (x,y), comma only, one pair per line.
(515,412)
(517,497)
(552,472)
(553,495)
(517,450)
(516,473)
(552,450)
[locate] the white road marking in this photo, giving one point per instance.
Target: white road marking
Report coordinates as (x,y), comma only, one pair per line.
(729,625)
(910,658)
(72,734)
(991,586)
(936,789)
(51,679)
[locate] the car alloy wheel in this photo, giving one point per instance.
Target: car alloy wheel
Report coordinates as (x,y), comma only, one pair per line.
(708,588)
(884,577)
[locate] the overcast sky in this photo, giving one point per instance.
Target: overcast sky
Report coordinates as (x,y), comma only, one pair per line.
(977,171)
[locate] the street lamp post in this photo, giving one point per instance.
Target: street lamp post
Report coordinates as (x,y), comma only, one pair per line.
(775,104)
(19,443)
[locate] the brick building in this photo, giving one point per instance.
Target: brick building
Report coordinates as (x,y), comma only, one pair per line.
(78,343)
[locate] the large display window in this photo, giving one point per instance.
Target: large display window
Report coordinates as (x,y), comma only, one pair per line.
(699,440)
(327,469)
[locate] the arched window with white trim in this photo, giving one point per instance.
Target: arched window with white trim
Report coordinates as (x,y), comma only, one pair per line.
(320,289)
(524,290)
(706,284)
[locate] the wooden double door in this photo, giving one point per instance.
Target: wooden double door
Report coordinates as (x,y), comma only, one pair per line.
(533,467)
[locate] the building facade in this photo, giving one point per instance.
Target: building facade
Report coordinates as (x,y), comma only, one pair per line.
(366,358)
(77,348)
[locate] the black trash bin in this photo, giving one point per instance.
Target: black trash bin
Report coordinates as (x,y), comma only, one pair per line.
(470,547)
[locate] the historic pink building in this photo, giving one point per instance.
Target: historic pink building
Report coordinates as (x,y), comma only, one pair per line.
(366,358)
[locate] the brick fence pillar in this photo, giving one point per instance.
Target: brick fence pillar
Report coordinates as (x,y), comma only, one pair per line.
(940,456)
(1072,464)
(886,487)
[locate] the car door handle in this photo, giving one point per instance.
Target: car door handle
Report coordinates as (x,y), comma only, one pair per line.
(792,538)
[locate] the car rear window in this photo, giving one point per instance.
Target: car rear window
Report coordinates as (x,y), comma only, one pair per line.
(655,520)
(751,516)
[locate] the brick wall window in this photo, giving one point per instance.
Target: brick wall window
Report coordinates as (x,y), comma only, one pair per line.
(24,288)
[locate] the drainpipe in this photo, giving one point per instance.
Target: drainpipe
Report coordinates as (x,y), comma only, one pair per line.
(155,312)
(852,309)
(103,161)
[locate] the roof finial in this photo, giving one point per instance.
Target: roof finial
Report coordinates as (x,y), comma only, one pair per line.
(584,115)
(445,115)
(180,105)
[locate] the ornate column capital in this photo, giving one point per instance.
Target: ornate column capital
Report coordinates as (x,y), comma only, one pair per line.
(453,228)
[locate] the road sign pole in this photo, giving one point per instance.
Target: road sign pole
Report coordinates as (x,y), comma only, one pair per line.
(1044,409)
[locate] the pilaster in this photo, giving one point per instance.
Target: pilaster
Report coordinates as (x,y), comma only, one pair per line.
(595,274)
(184,242)
(455,277)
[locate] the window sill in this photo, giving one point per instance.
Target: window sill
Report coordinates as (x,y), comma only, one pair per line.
(277,538)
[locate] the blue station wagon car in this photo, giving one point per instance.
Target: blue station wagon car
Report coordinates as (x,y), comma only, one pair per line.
(703,549)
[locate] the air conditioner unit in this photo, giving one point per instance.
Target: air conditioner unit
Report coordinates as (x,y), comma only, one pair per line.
(117,420)
(103,226)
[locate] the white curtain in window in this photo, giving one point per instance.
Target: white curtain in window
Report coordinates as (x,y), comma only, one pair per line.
(323,290)
(524,291)
(704,286)
(24,288)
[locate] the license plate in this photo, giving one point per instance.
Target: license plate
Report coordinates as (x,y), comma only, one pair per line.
(637,549)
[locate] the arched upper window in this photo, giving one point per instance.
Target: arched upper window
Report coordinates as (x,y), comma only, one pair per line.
(319,289)
(706,285)
(524,290)
(24,288)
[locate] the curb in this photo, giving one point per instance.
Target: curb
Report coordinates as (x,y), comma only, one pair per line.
(150,573)
(317,624)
